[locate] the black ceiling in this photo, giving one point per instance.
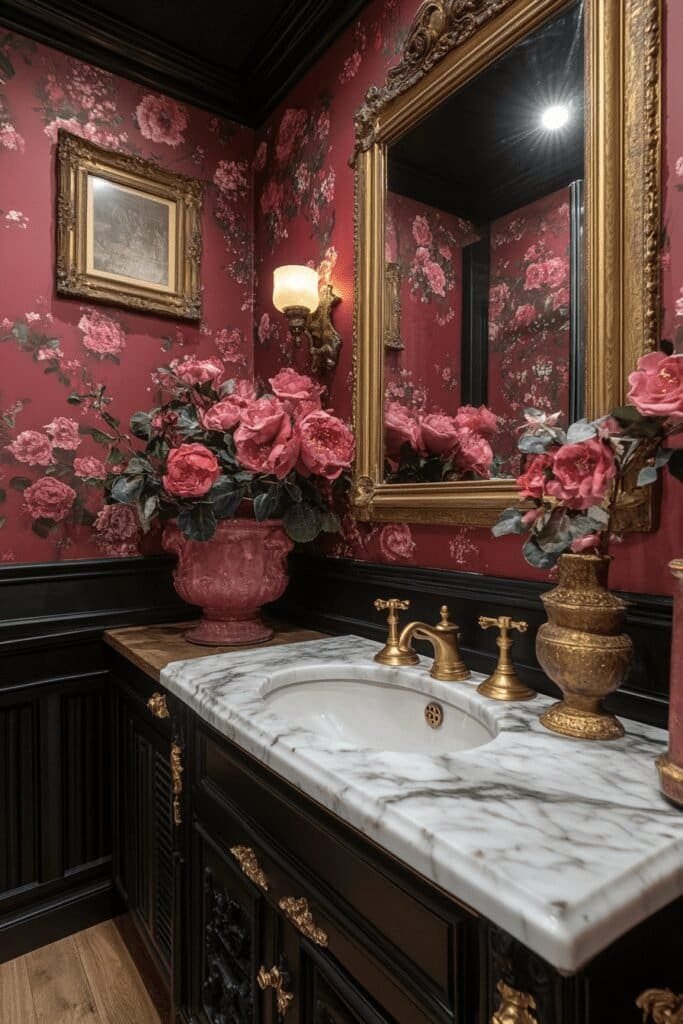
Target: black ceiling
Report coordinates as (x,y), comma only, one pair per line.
(481,153)
(237,59)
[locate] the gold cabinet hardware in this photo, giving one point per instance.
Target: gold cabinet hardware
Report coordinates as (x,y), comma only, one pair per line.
(158,706)
(515,1007)
(177,781)
(393,653)
(247,860)
(277,980)
(661,1006)
(299,913)
(504,683)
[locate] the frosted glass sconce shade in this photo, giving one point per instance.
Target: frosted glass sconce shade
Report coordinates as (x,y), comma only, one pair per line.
(295,287)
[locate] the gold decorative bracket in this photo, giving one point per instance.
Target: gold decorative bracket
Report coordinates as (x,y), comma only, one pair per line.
(515,1006)
(323,341)
(276,979)
(299,913)
(158,706)
(177,782)
(247,860)
(661,1006)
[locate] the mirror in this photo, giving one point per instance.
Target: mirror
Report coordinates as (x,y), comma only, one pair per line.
(507,220)
(483,247)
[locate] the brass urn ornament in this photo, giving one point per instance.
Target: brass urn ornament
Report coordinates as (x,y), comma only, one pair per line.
(582,648)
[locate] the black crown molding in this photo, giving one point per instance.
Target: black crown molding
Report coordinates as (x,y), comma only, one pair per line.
(301,34)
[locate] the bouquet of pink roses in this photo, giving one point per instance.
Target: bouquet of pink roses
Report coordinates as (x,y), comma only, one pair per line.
(436,446)
(574,479)
(214,447)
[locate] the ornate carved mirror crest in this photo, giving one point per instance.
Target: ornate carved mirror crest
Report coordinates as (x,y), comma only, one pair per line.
(508,205)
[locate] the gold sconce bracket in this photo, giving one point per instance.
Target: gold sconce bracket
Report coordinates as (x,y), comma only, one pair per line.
(504,683)
(323,340)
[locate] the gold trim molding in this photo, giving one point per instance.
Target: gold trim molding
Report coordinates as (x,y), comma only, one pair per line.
(248,861)
(177,782)
(661,1006)
(515,1007)
(448,44)
(299,913)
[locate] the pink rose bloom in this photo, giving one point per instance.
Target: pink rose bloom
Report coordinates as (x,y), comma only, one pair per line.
(191,471)
(524,316)
(244,389)
(582,473)
(200,371)
(64,433)
(396,542)
(161,119)
(473,454)
(556,271)
(263,419)
(439,433)
(277,456)
(436,278)
(498,296)
(117,531)
(224,415)
(422,255)
(296,390)
(590,542)
(32,447)
(327,445)
(401,427)
(560,298)
(481,420)
(421,231)
(535,277)
(657,385)
(101,334)
(90,467)
(48,498)
(291,128)
(532,482)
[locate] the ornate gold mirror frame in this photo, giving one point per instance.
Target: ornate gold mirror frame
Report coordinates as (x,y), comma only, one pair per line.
(449,42)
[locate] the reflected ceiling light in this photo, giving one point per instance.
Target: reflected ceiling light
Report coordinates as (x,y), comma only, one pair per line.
(555,117)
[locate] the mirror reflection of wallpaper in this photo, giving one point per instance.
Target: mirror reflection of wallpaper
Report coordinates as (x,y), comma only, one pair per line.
(529,326)
(426,244)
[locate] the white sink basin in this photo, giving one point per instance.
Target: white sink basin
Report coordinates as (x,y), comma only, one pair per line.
(369,714)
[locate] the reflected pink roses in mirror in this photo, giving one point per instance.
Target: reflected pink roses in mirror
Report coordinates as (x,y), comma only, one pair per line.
(656,386)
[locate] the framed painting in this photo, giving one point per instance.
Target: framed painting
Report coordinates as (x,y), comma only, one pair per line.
(128,232)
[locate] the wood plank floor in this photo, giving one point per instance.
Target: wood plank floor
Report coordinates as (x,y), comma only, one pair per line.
(87,978)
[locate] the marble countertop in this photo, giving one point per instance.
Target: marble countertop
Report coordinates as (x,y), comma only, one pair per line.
(564,844)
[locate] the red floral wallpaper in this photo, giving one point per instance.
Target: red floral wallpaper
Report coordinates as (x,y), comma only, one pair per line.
(303,152)
(53,450)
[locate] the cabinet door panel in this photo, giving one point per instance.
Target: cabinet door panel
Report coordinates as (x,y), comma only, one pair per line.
(18,796)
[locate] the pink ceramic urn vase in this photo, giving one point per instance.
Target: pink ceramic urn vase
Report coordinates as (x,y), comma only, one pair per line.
(671,764)
(230,577)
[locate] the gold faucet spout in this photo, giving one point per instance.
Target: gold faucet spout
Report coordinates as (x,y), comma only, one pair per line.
(448,664)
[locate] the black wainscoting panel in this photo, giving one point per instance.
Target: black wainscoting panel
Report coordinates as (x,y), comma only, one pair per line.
(55,771)
(337,595)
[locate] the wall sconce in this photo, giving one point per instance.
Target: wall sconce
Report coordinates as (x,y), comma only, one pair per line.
(308,306)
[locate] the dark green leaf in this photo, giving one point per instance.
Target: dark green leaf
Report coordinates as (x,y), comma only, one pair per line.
(43,527)
(293,491)
(141,425)
(198,522)
(662,457)
(534,444)
(330,522)
(126,490)
(647,476)
(582,430)
(302,522)
(97,435)
(138,464)
(537,557)
(74,399)
(225,497)
(20,483)
(509,521)
(267,504)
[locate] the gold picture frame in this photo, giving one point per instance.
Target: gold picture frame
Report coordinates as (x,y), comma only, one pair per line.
(128,231)
(448,44)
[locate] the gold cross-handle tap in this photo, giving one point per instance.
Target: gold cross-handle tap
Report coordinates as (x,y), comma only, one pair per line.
(504,683)
(392,653)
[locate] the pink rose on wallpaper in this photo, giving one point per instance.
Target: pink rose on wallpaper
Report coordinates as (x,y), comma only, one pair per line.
(656,386)
(481,419)
(322,125)
(291,129)
(262,419)
(439,433)
(267,330)
(64,433)
(271,197)
(117,531)
(90,468)
(101,335)
(261,156)
(421,231)
(161,119)
(560,298)
(396,542)
(296,391)
(532,482)
(524,316)
(473,454)
(10,138)
(232,345)
(33,448)
(48,498)
(401,427)
(535,277)
(422,255)
(327,265)
(582,473)
(351,67)
(555,271)
(498,296)
(445,251)
(436,278)
(277,455)
(231,176)
(199,371)
(327,445)
(69,124)
(191,471)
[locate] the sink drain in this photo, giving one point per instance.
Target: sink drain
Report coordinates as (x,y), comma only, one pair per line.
(434,715)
